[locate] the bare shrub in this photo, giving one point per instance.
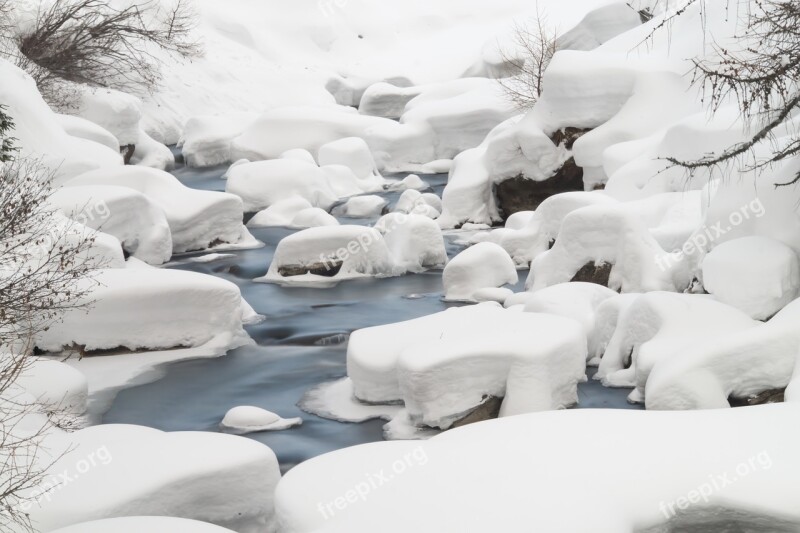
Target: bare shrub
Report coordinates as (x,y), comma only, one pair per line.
(760,72)
(95,43)
(534,46)
(45,270)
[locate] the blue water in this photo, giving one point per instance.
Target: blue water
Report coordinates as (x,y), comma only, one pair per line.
(301,344)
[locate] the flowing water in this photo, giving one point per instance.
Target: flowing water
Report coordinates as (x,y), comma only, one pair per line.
(302,343)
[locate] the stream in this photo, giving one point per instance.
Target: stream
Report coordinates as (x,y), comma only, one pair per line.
(301,344)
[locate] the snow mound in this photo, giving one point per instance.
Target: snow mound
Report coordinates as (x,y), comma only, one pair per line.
(478,267)
(55,386)
(130,216)
(39,132)
(327,255)
(538,466)
(86,129)
(739,363)
(615,236)
(207,139)
(197,219)
(247,419)
(412,181)
(150,308)
(415,241)
(660,326)
(755,274)
(579,301)
(361,207)
(264,183)
(281,213)
(413,201)
(351,152)
(606,321)
(221,479)
(418,360)
(313,217)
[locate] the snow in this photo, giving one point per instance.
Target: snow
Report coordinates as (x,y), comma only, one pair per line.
(742,362)
(335,400)
(579,301)
(149,308)
(351,152)
(280,213)
(415,241)
(660,326)
(85,129)
(39,132)
(755,274)
(196,218)
(412,181)
(478,267)
(55,386)
(361,251)
(313,217)
(538,468)
(214,478)
(264,183)
(248,419)
(207,139)
(130,216)
(136,524)
(431,363)
(362,207)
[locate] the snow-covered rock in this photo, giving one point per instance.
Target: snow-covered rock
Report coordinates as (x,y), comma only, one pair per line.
(313,217)
(55,386)
(197,219)
(660,326)
(351,152)
(149,308)
(444,365)
(86,129)
(478,267)
(264,183)
(207,139)
(415,241)
(248,419)
(412,181)
(327,255)
(280,213)
(740,363)
(221,479)
(130,216)
(362,207)
(755,274)
(538,467)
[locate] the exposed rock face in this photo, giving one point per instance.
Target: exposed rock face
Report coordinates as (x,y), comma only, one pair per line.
(127,152)
(521,194)
(487,410)
(768,396)
(594,273)
(328,269)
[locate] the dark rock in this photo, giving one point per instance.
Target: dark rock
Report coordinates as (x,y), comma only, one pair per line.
(768,396)
(328,269)
(594,273)
(127,152)
(568,136)
(487,410)
(522,194)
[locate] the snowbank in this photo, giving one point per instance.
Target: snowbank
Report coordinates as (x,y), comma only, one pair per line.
(136,524)
(368,206)
(478,267)
(197,219)
(351,152)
